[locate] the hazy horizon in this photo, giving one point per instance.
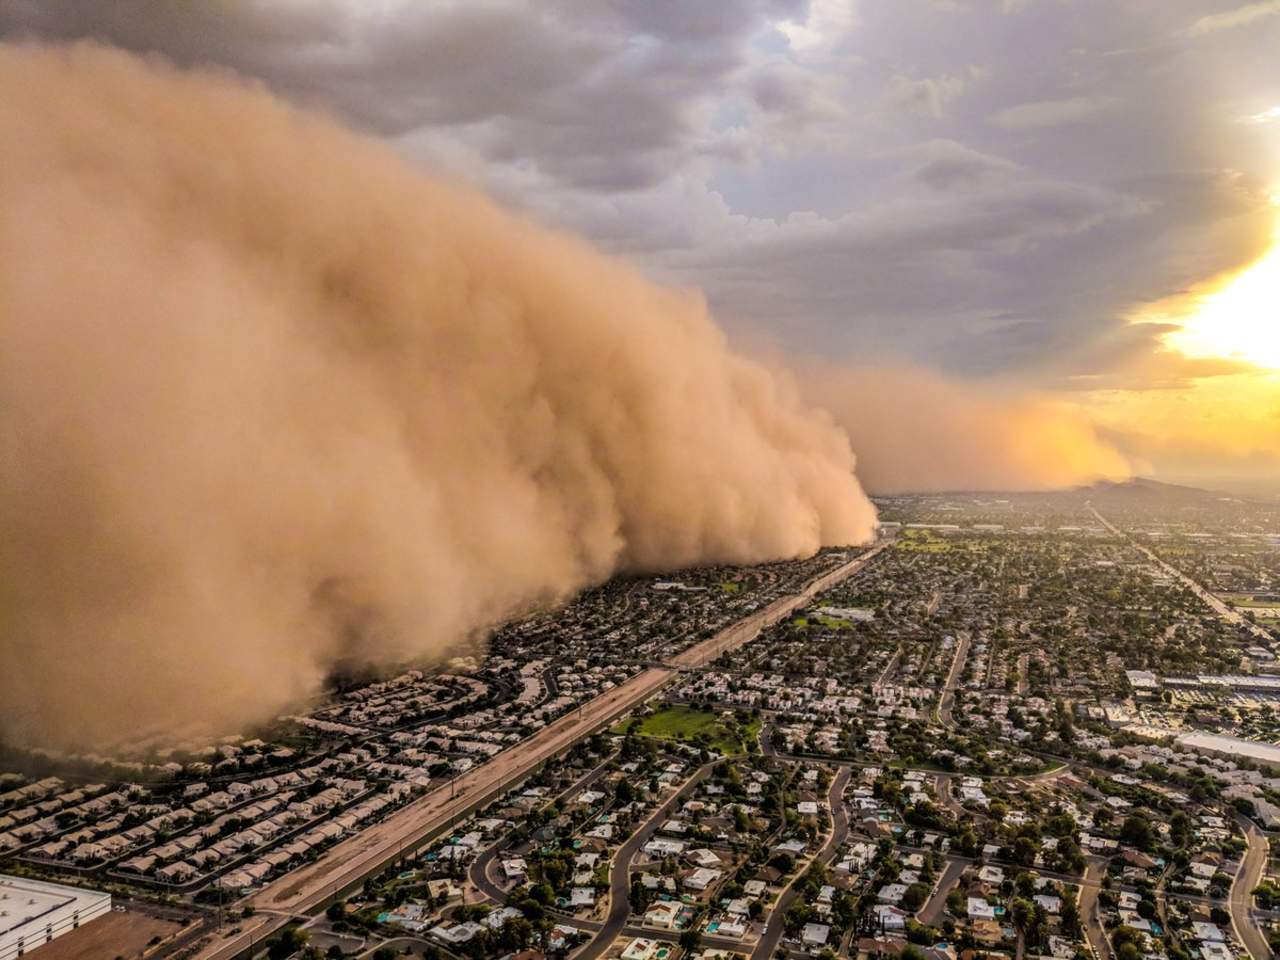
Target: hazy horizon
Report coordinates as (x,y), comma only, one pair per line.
(1068,210)
(344,334)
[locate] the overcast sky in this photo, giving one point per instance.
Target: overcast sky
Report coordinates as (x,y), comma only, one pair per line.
(990,188)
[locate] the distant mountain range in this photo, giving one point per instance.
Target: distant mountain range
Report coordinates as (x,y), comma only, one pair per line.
(1157,491)
(1135,490)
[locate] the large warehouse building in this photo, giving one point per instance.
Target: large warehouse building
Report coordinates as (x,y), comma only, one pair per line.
(33,912)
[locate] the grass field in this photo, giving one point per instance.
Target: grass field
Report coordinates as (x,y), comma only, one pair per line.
(921,541)
(679,722)
(1247,600)
(1263,610)
(831,623)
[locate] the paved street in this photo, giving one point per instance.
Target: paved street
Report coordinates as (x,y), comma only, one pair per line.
(620,870)
(349,862)
(931,913)
(1094,872)
(947,701)
(1241,899)
(839,834)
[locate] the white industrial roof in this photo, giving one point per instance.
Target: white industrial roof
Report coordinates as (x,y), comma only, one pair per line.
(26,902)
(1234,746)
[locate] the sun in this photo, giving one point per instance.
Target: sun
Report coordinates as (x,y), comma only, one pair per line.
(1234,319)
(1238,321)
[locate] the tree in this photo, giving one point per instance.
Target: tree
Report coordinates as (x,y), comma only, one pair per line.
(1025,850)
(1070,918)
(1021,913)
(290,941)
(624,792)
(914,897)
(1180,829)
(516,934)
(797,916)
(690,940)
(1136,832)
(1122,939)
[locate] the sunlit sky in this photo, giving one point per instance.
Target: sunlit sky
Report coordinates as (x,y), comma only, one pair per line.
(1237,317)
(1071,198)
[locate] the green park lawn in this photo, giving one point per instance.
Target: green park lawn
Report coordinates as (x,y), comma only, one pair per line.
(1246,600)
(686,724)
(921,541)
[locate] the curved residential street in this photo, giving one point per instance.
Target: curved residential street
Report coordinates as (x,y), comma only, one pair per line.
(347,864)
(769,940)
(620,870)
(480,871)
(1089,918)
(946,702)
(1241,901)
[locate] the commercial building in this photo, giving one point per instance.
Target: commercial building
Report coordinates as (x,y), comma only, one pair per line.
(33,912)
(1233,748)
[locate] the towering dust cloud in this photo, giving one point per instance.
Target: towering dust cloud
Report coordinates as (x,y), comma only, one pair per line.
(919,431)
(270,399)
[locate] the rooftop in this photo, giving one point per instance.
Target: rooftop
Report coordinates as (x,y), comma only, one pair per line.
(1235,746)
(24,902)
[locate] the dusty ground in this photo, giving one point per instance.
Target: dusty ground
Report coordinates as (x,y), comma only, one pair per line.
(114,935)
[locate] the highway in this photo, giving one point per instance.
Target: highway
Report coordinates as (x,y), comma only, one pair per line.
(349,862)
(1241,900)
(746,630)
(1225,611)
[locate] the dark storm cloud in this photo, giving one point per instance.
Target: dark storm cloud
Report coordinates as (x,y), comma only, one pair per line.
(980,183)
(598,102)
(446,64)
(274,401)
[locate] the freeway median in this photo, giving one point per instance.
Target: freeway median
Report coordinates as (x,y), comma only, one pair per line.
(346,865)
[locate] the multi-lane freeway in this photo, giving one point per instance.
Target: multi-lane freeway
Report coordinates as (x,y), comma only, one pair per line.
(347,864)
(1220,607)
